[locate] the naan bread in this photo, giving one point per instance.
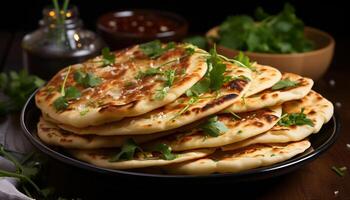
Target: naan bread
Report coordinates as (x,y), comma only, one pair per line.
(53,135)
(242,159)
(317,108)
(264,77)
(271,97)
(101,158)
(175,114)
(121,94)
(249,125)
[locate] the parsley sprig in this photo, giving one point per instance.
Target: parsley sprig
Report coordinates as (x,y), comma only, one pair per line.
(284,84)
(213,127)
(295,119)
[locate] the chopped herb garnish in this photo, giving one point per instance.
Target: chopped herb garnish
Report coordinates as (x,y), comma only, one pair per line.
(243,61)
(72,93)
(87,79)
(340,170)
(67,94)
(161,93)
(108,58)
(127,151)
(239,132)
(61,103)
(284,84)
(212,127)
(165,150)
(272,155)
(295,119)
(243,99)
(169,77)
(154,48)
(84,111)
(199,88)
(148,72)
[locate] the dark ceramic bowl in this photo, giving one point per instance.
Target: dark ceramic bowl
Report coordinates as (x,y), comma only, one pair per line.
(319,144)
(123,28)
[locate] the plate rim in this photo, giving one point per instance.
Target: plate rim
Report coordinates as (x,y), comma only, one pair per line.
(289,164)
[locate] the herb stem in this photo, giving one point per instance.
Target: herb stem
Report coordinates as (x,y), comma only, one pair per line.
(11,158)
(64,82)
(65,7)
(20,176)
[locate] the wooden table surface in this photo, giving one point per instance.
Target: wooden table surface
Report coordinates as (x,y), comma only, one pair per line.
(315,180)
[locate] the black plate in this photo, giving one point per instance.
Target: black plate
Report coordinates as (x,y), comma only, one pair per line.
(319,144)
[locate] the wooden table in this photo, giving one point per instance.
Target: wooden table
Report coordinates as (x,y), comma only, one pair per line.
(313,181)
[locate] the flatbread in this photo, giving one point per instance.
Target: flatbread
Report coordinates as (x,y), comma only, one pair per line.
(271,97)
(317,108)
(175,114)
(101,158)
(240,160)
(249,125)
(51,134)
(264,77)
(121,91)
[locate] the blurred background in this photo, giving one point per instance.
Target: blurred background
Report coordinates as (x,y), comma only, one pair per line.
(330,16)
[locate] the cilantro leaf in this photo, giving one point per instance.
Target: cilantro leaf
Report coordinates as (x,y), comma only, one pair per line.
(199,88)
(87,79)
(108,58)
(161,93)
(284,84)
(341,171)
(72,93)
(60,103)
(295,119)
(165,150)
(212,127)
(169,77)
(154,48)
(127,151)
(148,72)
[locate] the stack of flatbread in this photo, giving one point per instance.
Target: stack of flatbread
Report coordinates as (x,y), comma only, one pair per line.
(179,109)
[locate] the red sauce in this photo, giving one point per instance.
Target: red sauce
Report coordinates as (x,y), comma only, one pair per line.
(140,22)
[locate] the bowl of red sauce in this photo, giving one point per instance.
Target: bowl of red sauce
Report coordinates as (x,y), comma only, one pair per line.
(123,28)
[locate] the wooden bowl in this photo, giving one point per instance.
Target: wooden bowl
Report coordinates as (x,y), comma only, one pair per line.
(311,64)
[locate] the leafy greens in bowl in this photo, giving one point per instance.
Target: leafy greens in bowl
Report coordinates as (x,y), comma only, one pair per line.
(281,33)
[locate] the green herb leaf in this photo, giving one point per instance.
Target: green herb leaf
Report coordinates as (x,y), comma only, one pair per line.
(284,84)
(212,127)
(127,151)
(199,88)
(165,150)
(161,93)
(169,77)
(148,72)
(197,40)
(108,58)
(87,79)
(17,87)
(72,93)
(154,48)
(295,119)
(341,171)
(243,61)
(60,103)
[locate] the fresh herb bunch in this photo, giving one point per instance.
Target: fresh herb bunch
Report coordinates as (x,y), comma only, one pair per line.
(17,87)
(27,172)
(281,33)
(295,119)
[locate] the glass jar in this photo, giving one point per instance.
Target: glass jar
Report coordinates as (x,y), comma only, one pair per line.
(56,45)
